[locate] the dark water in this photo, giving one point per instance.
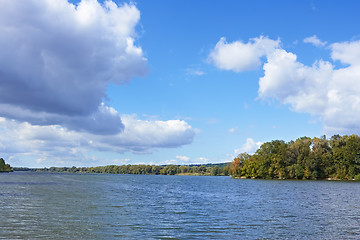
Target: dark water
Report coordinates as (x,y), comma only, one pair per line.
(92,206)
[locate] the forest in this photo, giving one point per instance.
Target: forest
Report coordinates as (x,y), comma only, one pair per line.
(336,158)
(221,169)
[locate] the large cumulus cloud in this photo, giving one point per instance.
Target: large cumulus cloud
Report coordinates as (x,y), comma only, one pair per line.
(56,62)
(323,90)
(326,90)
(57,59)
(60,146)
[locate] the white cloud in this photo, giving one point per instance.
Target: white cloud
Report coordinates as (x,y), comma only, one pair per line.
(198,73)
(346,52)
(183,158)
(141,136)
(201,160)
(249,147)
(212,121)
(171,133)
(179,160)
(57,144)
(121,161)
(293,83)
(232,130)
(195,72)
(314,40)
(327,92)
(57,59)
(238,56)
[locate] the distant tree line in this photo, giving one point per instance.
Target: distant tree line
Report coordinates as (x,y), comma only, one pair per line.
(201,170)
(304,158)
(4,167)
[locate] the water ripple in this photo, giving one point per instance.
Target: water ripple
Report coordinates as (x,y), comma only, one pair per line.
(94,206)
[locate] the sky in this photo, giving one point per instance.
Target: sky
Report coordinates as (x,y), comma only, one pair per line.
(88,83)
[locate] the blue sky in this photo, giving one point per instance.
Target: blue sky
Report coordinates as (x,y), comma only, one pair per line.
(161,82)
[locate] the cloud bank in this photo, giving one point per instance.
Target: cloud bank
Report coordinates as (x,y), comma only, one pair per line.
(58,144)
(57,59)
(56,62)
(323,90)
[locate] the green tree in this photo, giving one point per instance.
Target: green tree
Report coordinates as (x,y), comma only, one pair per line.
(215,171)
(4,167)
(304,158)
(170,170)
(202,170)
(238,163)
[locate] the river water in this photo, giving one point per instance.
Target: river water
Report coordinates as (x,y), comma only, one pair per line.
(105,206)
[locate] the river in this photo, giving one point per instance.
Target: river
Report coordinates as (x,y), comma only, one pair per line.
(105,206)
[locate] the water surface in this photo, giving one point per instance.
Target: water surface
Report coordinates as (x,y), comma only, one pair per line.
(105,206)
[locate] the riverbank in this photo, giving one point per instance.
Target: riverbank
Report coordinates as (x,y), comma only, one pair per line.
(221,169)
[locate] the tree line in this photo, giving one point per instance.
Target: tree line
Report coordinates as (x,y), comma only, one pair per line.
(304,158)
(201,170)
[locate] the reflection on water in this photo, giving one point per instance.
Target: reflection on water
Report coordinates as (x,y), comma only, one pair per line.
(101,206)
